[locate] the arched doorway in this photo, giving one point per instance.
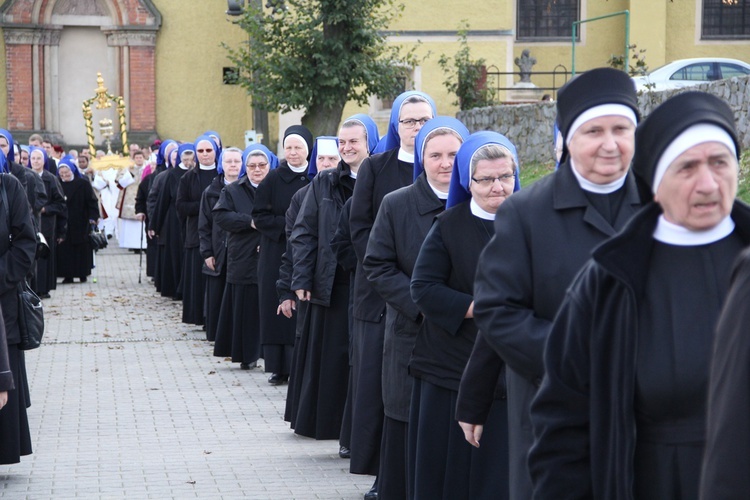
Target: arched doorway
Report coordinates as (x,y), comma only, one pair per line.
(55,48)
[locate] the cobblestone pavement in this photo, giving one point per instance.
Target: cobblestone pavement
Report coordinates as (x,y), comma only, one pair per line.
(129,402)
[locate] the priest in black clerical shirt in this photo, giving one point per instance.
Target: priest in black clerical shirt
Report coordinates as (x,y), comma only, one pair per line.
(621,411)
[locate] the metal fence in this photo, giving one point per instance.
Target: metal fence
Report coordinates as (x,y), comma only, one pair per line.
(546,81)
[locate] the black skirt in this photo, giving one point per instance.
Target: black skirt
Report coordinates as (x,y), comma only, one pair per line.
(238,330)
(15,438)
(367,406)
(325,370)
(298,357)
(444,464)
(193,287)
(392,477)
(74,261)
(170,269)
(212,307)
(151,257)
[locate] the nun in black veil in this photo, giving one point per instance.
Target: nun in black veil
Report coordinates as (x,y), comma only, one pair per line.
(272,199)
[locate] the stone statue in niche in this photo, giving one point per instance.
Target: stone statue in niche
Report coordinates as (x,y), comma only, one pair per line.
(525,63)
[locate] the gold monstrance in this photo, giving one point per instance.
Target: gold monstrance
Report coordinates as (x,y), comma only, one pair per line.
(104,100)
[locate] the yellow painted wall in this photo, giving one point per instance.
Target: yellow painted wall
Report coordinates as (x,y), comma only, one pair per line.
(190,95)
(684,41)
(447,14)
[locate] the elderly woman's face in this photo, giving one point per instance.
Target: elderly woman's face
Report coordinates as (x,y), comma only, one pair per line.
(256,168)
(294,152)
(231,162)
(65,174)
(206,153)
(494,183)
(37,161)
(699,187)
(602,148)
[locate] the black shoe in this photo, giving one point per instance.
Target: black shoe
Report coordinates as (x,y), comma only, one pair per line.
(278,379)
(248,366)
(45,296)
(345,452)
(373,493)
(67,281)
(83,279)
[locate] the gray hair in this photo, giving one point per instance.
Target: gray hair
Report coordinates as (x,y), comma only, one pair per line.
(490,152)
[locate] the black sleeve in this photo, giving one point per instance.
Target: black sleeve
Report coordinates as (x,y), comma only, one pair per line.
(341,243)
(56,202)
(478,388)
(361,216)
(439,303)
(92,204)
(268,223)
(152,199)
(161,205)
(205,226)
(142,194)
(227,217)
(284,283)
(17,261)
(40,194)
(304,240)
(185,204)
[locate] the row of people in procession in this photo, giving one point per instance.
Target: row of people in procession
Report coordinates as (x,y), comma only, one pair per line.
(417,309)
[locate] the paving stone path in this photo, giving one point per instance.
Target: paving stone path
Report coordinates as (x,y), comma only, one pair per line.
(128,402)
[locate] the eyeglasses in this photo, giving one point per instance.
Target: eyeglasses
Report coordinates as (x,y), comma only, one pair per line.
(258,166)
(209,150)
(488,181)
(411,123)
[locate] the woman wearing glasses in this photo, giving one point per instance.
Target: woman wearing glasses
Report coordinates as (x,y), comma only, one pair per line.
(442,286)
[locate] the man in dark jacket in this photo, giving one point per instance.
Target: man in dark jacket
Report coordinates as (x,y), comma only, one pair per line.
(621,411)
(545,233)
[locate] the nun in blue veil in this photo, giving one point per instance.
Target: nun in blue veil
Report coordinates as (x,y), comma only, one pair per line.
(389,169)
(443,464)
(404,218)
(166,223)
(238,329)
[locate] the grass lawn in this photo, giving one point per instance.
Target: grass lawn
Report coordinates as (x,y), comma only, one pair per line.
(531,172)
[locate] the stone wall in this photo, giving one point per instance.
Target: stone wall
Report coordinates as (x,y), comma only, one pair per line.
(529,126)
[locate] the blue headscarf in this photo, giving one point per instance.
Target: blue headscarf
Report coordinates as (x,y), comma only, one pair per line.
(68,160)
(555,133)
(273,160)
(432,125)
(219,145)
(44,155)
(11,156)
(160,158)
(392,139)
(312,168)
(4,163)
(213,145)
(181,149)
(461,176)
(373,137)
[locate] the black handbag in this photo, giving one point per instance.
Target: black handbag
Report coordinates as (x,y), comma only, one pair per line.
(42,247)
(97,238)
(30,309)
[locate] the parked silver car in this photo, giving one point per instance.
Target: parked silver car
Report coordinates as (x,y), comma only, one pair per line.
(687,72)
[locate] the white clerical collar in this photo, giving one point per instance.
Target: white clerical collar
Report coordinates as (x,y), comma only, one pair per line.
(253,184)
(672,234)
(404,156)
(183,167)
(591,187)
(441,195)
(352,174)
(208,167)
(298,170)
(226,182)
(478,211)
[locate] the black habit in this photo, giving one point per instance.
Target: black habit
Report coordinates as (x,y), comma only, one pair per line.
(54,217)
(170,230)
(74,255)
(378,175)
(272,199)
(323,370)
(213,243)
(631,424)
(238,329)
(141,207)
(189,192)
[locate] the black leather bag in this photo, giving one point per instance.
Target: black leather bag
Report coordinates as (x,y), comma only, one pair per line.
(97,238)
(42,247)
(30,309)
(30,317)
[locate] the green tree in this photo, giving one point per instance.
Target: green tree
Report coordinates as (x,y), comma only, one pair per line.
(316,55)
(466,77)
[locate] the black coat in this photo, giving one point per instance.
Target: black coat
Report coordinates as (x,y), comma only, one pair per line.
(377,176)
(82,207)
(164,218)
(152,189)
(726,459)
(213,239)
(583,415)
(16,258)
(188,203)
(54,218)
(314,261)
(442,286)
(401,225)
(232,213)
(32,185)
(284,283)
(543,236)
